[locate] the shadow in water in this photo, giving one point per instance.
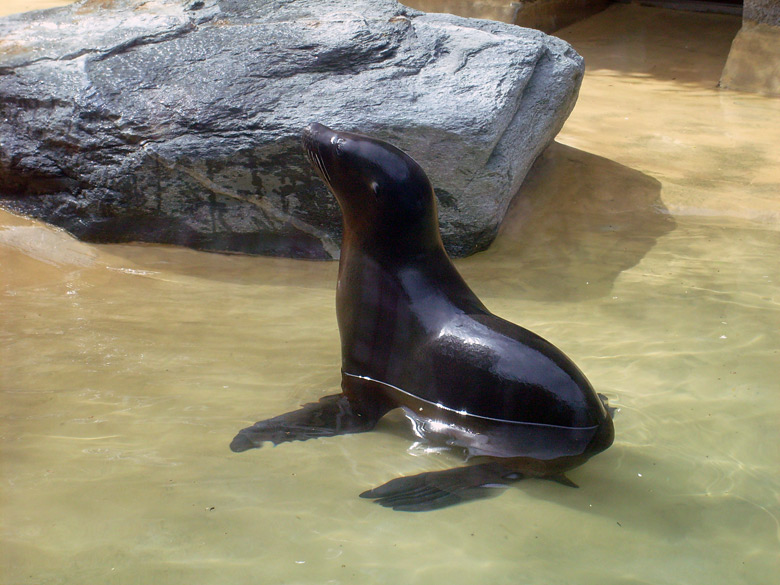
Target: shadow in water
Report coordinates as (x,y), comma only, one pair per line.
(577,222)
(33,252)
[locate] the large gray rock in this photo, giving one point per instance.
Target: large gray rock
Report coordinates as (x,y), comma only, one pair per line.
(179,122)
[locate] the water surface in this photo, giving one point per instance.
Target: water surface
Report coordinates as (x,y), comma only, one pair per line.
(645,245)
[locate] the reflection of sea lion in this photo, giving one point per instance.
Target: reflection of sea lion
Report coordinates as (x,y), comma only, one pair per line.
(414,336)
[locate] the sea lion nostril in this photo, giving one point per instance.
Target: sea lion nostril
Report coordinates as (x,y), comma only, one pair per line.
(308,136)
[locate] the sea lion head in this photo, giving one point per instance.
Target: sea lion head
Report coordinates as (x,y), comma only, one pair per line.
(383,193)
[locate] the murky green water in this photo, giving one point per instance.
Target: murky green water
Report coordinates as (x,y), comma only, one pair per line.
(645,245)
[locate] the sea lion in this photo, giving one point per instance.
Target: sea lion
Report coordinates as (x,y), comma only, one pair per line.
(414,336)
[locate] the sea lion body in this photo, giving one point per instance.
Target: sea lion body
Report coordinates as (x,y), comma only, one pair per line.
(415,336)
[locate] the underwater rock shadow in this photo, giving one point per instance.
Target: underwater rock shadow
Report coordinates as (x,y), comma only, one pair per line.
(577,222)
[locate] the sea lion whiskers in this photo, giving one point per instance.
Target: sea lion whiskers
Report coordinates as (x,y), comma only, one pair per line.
(314,156)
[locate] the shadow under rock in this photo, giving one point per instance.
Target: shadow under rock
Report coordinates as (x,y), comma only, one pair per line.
(577,222)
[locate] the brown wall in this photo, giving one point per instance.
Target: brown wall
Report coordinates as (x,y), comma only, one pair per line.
(545,15)
(551,15)
(501,10)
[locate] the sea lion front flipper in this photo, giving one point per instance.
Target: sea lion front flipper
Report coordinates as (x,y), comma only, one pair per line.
(439,489)
(330,416)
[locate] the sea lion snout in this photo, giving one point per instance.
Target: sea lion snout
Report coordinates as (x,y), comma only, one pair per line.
(313,138)
(312,132)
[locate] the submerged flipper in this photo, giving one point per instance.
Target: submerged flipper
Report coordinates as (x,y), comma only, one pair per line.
(440,489)
(330,416)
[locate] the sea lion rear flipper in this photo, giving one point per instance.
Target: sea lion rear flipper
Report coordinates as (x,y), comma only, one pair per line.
(561,479)
(330,416)
(439,489)
(605,401)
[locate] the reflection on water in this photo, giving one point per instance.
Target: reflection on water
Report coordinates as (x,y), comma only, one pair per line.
(645,245)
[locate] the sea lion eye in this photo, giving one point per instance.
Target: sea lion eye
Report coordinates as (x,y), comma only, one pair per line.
(337,142)
(374,186)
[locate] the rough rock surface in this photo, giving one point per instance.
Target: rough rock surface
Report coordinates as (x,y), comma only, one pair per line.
(762,11)
(179,122)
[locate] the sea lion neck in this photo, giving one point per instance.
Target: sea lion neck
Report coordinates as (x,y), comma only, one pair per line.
(414,272)
(381,238)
